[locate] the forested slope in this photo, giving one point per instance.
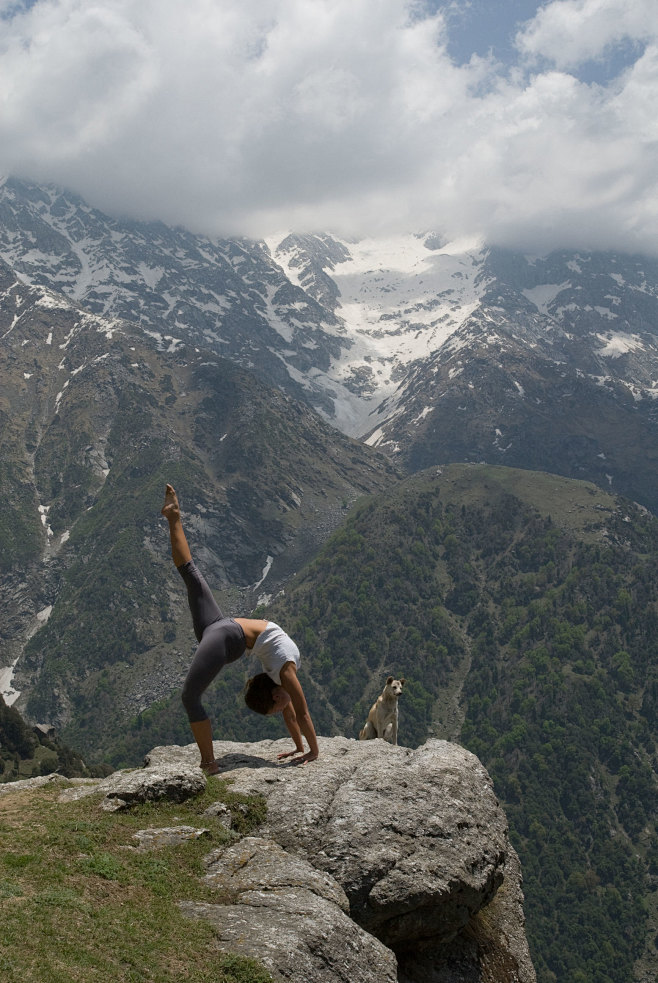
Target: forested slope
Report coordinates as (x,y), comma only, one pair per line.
(541,595)
(25,752)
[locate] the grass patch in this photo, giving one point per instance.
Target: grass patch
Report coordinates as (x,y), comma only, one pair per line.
(79,902)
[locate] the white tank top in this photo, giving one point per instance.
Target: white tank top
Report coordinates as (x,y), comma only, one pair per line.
(273,649)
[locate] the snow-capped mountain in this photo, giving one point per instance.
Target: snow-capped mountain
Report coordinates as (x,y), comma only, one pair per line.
(555,369)
(399,298)
(432,351)
(332,322)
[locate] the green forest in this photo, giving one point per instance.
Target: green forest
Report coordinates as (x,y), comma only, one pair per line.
(26,752)
(547,593)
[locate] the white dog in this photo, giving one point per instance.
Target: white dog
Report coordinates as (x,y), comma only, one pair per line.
(383,717)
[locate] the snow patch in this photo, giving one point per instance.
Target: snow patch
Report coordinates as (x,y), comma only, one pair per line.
(58,398)
(422,414)
(43,511)
(544,295)
(398,302)
(606,312)
(619,344)
(7,691)
(266,570)
(52,301)
(151,275)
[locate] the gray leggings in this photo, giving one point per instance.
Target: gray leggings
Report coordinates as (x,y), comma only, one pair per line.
(221,640)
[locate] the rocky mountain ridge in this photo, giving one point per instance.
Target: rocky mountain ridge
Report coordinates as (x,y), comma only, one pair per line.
(555,371)
(549,360)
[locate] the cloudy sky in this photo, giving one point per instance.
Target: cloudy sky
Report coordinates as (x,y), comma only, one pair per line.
(528,124)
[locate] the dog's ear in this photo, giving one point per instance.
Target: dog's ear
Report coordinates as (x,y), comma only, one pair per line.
(402,681)
(389,680)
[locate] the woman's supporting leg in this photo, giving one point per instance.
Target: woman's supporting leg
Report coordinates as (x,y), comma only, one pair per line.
(222,642)
(202,730)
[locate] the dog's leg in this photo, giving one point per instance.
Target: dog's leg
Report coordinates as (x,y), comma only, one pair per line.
(368,732)
(390,733)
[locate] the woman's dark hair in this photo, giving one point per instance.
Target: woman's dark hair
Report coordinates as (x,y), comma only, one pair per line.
(258,693)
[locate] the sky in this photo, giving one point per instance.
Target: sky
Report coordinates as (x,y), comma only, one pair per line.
(523,124)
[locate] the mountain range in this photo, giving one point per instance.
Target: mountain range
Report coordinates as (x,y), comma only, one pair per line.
(432,458)
(432,351)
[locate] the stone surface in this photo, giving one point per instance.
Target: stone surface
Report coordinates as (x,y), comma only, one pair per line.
(491,949)
(155,839)
(276,908)
(375,864)
(9,788)
(221,812)
(123,789)
(256,865)
(416,838)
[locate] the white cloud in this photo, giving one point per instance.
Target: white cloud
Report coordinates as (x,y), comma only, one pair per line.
(570,32)
(256,115)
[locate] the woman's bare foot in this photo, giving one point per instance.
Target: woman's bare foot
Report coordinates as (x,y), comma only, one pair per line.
(171,509)
(210,767)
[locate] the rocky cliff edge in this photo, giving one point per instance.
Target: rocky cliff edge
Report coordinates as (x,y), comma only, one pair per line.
(375,863)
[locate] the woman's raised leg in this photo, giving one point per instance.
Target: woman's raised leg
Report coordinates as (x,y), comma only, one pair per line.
(201,613)
(180,550)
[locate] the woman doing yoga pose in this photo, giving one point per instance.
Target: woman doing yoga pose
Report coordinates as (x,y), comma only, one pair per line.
(223,640)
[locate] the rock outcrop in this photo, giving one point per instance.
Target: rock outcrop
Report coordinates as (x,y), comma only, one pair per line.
(375,863)
(125,788)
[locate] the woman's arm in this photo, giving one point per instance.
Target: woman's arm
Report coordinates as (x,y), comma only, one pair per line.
(290,720)
(303,722)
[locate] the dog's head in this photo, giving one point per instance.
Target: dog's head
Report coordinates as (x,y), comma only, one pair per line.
(393,686)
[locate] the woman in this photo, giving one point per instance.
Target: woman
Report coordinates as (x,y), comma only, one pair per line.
(223,640)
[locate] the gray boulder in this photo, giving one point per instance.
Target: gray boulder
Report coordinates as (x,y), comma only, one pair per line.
(415,839)
(123,789)
(156,838)
(376,863)
(278,909)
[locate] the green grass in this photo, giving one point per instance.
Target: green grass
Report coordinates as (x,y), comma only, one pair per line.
(79,903)
(576,506)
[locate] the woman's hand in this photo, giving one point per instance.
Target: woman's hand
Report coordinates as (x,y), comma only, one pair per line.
(303,723)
